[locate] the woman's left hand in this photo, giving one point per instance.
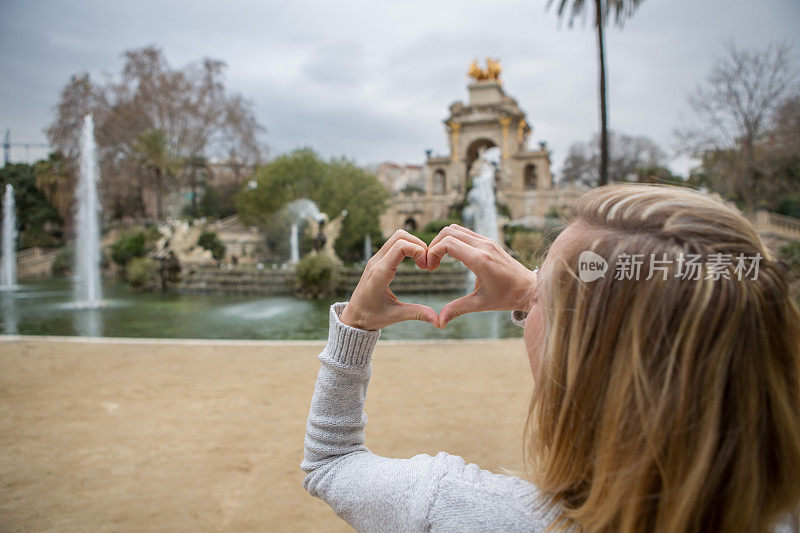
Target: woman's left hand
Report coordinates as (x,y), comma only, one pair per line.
(373,305)
(501,282)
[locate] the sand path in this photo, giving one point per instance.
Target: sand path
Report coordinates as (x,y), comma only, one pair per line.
(117,435)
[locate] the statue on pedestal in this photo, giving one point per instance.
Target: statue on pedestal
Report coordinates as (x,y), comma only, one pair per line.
(325,233)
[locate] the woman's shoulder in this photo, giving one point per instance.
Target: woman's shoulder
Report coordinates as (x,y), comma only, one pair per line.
(469,498)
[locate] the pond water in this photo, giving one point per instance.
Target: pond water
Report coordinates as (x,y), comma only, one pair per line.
(43,308)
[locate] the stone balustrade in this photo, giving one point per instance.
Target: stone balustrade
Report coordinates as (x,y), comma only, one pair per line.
(277,282)
(766,222)
(36,261)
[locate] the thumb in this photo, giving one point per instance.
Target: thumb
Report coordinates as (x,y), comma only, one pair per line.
(466,304)
(405,311)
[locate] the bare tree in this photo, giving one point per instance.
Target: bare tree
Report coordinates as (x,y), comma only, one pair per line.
(199,120)
(628,156)
(732,110)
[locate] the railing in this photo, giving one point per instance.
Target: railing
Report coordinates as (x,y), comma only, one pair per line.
(36,261)
(36,255)
(225,223)
(775,224)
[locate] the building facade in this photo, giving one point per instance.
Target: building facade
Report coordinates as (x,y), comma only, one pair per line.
(401,178)
(490,118)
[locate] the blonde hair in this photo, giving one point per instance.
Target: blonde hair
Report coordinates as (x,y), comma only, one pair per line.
(666,405)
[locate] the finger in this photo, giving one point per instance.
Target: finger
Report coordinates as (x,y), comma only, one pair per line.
(405,311)
(399,251)
(459,234)
(469,231)
(466,304)
(397,235)
(466,234)
(469,255)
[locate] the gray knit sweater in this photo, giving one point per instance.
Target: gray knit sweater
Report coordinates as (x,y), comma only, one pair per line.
(373,493)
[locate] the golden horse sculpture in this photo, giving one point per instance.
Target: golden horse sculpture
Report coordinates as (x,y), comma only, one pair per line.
(492,71)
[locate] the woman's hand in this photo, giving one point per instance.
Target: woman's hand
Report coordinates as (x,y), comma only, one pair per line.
(502,283)
(373,305)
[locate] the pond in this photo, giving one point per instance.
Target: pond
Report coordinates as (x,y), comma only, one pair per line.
(43,308)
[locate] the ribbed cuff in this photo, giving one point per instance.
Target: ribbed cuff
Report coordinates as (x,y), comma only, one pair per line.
(348,345)
(518,318)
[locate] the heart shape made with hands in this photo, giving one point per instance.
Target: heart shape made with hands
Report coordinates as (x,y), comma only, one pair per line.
(501,283)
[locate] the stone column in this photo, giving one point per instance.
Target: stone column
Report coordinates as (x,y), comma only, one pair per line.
(456,129)
(504,122)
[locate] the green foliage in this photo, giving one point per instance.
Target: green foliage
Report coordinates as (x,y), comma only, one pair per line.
(151,235)
(62,264)
(142,273)
(210,241)
(216,202)
(317,276)
(127,247)
(156,158)
(412,189)
(530,245)
(37,220)
(789,207)
(334,185)
(433,228)
(277,229)
(790,253)
(38,236)
(134,244)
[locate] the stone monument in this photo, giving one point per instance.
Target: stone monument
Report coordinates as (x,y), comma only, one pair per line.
(490,118)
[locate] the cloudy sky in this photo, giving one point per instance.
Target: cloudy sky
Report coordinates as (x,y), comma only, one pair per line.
(372,80)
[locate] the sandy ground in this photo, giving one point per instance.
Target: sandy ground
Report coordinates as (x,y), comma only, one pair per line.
(196,436)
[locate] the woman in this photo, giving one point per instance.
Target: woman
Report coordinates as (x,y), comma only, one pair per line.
(666,387)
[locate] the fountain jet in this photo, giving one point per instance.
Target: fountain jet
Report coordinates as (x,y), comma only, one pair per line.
(8,272)
(481,212)
(294,244)
(88,290)
(367,247)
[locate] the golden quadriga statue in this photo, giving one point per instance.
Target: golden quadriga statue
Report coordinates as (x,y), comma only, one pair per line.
(491,72)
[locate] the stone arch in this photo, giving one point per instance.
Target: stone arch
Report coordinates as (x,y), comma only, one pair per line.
(474,148)
(439,184)
(410,225)
(529,177)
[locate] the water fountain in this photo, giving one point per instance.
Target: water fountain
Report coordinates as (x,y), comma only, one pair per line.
(303,208)
(481,211)
(367,247)
(294,244)
(88,292)
(8,270)
(301,211)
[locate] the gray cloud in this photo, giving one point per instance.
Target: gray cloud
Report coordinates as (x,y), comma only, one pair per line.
(373,80)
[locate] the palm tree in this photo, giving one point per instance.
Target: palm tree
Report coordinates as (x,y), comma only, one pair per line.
(621,9)
(56,181)
(156,158)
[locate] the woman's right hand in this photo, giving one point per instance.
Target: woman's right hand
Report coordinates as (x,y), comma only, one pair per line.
(502,283)
(373,305)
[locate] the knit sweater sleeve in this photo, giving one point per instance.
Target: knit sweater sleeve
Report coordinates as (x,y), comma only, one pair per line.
(374,493)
